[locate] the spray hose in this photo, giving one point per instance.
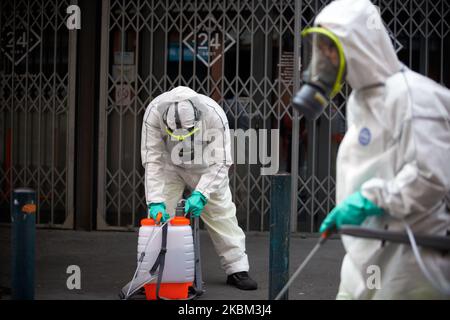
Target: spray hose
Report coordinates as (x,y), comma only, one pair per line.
(426,272)
(439,243)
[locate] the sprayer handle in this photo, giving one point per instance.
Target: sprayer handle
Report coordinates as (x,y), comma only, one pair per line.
(327,234)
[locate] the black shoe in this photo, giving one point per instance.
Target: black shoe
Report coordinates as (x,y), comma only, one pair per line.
(242,280)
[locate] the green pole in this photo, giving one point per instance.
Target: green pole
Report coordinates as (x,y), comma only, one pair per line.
(23,218)
(280,214)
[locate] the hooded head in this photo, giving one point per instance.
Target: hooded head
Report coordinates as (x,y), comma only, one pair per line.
(177,98)
(368,49)
(184,112)
(177,94)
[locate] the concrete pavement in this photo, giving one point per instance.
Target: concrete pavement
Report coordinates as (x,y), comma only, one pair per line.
(107,262)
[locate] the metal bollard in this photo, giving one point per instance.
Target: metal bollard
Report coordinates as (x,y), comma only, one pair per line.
(280,214)
(23,218)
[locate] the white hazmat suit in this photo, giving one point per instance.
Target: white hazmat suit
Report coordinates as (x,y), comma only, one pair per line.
(396,152)
(165,179)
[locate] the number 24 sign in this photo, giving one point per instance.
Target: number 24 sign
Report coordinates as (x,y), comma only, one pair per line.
(209,46)
(16,45)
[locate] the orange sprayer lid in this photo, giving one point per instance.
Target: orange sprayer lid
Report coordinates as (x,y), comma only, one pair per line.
(180,221)
(148,222)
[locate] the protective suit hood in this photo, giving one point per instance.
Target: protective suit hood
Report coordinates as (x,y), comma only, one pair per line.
(368,49)
(177,94)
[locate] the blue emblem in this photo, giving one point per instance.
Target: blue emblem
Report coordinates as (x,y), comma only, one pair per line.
(365,136)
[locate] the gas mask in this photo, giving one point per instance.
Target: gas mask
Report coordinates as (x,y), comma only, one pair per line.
(324,73)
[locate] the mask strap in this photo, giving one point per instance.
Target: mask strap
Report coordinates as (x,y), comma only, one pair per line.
(196,111)
(164,117)
(177,116)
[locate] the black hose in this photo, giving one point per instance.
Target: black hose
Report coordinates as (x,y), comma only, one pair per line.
(440,243)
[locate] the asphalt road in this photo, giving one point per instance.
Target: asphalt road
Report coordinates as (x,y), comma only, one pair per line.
(107,262)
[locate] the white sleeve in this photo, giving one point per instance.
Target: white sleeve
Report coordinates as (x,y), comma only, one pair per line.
(152,151)
(424,179)
(218,155)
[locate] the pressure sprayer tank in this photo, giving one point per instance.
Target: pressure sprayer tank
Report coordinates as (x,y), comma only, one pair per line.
(178,274)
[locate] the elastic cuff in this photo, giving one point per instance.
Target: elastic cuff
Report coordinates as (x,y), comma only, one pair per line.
(157,203)
(156,200)
(204,194)
(370,206)
(238,266)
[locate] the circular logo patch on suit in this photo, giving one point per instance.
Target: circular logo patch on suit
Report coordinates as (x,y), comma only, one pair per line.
(365,136)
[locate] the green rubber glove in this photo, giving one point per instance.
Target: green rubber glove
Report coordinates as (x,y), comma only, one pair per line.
(353,210)
(195,204)
(155,208)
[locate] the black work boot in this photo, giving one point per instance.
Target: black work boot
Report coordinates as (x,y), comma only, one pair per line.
(242,280)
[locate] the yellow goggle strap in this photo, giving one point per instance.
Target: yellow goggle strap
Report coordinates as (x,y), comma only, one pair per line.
(181,137)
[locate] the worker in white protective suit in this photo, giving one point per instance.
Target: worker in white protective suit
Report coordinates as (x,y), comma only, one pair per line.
(186,142)
(393,166)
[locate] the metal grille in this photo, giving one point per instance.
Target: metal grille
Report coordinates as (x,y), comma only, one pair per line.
(251,68)
(36,107)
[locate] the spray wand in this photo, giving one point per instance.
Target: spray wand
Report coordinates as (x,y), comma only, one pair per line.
(323,238)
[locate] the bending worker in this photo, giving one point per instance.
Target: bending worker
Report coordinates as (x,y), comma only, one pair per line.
(186,142)
(393,166)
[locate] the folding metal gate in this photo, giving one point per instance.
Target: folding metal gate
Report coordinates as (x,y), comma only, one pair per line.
(245,54)
(37,81)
